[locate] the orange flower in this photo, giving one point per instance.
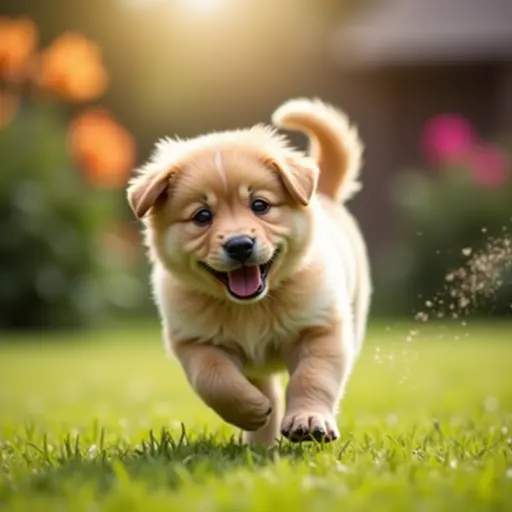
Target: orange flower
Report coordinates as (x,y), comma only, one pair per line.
(18,40)
(9,104)
(72,67)
(103,148)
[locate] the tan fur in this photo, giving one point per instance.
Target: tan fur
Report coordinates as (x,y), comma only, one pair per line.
(310,319)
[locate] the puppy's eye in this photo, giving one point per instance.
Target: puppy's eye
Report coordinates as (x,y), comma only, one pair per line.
(259,207)
(203,217)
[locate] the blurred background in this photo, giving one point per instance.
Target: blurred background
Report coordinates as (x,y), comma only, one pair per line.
(87,87)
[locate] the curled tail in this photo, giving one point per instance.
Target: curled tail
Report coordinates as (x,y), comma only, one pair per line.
(334,144)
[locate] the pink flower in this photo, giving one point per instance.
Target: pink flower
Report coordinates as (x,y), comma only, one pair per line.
(489,165)
(447,138)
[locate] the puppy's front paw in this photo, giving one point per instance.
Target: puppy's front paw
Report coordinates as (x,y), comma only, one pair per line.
(254,421)
(248,416)
(308,426)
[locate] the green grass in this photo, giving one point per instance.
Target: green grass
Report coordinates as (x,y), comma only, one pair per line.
(106,422)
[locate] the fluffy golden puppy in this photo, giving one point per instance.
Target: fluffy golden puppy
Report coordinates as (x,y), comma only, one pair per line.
(258,268)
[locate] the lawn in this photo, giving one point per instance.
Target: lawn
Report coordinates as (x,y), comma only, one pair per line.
(105,421)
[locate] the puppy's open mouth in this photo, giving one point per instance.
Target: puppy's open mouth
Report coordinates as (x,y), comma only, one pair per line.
(246,282)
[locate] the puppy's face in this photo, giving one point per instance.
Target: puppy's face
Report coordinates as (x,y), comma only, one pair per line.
(229,220)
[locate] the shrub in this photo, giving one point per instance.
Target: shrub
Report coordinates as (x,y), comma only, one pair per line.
(447,213)
(66,256)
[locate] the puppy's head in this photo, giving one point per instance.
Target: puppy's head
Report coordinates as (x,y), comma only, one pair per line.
(228,213)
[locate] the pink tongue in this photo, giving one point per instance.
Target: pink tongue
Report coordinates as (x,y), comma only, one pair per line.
(245,281)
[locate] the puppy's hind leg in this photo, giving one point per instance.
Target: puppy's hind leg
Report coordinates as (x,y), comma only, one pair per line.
(268,435)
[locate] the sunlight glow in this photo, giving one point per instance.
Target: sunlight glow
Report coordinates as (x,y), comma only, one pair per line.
(203,3)
(202,9)
(196,5)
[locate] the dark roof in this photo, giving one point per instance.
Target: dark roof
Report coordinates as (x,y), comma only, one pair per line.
(421,31)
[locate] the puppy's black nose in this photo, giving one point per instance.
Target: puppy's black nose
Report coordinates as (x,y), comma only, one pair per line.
(240,248)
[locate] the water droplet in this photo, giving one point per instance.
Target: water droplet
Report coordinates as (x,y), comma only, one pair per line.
(392,419)
(92,451)
(491,404)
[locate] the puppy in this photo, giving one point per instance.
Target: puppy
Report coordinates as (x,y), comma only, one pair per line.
(259,268)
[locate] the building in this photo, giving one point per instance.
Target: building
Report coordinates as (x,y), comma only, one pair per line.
(403,61)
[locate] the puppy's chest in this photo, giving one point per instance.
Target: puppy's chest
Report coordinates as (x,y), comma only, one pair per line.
(258,331)
(258,334)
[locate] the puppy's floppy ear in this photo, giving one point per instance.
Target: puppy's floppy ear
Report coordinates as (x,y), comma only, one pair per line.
(145,189)
(299,176)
